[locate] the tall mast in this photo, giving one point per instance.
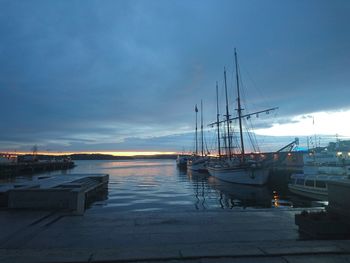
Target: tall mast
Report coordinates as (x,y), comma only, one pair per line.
(227,118)
(217,117)
(239,109)
(202,137)
(225,142)
(196,110)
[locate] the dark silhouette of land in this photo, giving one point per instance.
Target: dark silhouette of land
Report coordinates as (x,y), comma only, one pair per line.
(96,156)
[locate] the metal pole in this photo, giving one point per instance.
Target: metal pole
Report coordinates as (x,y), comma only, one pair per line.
(239,109)
(227,118)
(217,117)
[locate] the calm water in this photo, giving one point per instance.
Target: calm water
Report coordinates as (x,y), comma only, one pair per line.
(154,185)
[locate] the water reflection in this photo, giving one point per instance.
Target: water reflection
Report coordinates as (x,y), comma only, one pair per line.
(228,195)
(232,195)
(155,185)
(277,202)
(200,187)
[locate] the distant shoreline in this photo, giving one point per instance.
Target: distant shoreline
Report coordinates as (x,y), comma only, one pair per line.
(78,157)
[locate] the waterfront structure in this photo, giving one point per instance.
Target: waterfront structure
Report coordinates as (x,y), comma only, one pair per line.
(20,167)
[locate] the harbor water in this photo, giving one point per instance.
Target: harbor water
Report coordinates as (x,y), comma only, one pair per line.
(158,185)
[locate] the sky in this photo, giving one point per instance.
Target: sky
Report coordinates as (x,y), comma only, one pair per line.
(111,76)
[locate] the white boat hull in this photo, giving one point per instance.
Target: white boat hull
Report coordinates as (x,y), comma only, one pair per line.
(310,192)
(310,185)
(238,175)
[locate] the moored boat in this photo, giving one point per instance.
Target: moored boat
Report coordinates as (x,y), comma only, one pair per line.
(181,161)
(319,169)
(238,168)
(198,162)
(249,173)
(312,186)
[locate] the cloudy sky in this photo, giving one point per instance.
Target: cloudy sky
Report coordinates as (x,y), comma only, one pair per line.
(125,75)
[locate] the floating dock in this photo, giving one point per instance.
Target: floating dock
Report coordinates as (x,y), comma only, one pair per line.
(61,192)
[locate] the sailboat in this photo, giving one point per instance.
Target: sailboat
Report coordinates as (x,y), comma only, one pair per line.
(198,162)
(238,168)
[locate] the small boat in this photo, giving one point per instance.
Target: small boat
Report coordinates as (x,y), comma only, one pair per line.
(312,186)
(198,162)
(181,161)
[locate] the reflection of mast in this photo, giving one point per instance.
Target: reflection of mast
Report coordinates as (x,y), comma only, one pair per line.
(239,109)
(202,137)
(35,151)
(196,110)
(227,118)
(217,117)
(225,142)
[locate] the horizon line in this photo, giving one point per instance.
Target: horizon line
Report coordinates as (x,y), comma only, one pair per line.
(113,153)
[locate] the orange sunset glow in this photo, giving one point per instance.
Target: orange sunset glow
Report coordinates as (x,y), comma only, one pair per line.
(121,153)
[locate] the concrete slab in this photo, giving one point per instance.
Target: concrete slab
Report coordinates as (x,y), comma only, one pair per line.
(344,245)
(164,253)
(219,250)
(252,236)
(137,229)
(319,259)
(301,247)
(13,223)
(68,192)
(244,260)
(40,255)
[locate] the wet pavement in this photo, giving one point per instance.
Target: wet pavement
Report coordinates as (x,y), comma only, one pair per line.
(261,235)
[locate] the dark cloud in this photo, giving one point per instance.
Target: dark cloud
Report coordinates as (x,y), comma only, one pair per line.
(129,71)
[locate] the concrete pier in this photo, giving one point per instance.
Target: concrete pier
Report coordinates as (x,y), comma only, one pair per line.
(105,235)
(9,169)
(59,192)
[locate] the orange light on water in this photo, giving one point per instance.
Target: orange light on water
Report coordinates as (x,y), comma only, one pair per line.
(275,199)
